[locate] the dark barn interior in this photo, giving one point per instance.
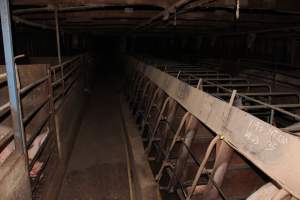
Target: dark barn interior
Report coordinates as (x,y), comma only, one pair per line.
(150,100)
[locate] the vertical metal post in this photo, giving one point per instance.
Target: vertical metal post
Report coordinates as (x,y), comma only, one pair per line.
(57,36)
(59,50)
(14,98)
(53,128)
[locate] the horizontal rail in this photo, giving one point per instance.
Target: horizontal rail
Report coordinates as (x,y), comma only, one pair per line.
(29,116)
(269,63)
(236,85)
(268,107)
(5,138)
(40,150)
(54,67)
(4,108)
(37,130)
(59,81)
(259,94)
(295,116)
(33,85)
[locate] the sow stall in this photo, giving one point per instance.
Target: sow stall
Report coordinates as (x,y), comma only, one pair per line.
(208,135)
(48,94)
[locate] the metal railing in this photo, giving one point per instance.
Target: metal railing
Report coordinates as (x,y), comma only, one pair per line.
(57,83)
(155,95)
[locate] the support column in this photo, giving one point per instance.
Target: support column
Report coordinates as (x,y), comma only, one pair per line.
(14,97)
(16,183)
(57,37)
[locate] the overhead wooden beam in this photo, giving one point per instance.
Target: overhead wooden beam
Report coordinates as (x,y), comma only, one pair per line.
(159,3)
(30,23)
(161,14)
(170,10)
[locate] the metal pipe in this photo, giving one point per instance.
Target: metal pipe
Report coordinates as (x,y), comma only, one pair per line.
(14,98)
(57,37)
(37,131)
(152,136)
(33,85)
(223,159)
(202,166)
(236,85)
(64,9)
(175,139)
(30,23)
(34,111)
(164,13)
(5,138)
(269,106)
(184,151)
(155,96)
(259,94)
(4,108)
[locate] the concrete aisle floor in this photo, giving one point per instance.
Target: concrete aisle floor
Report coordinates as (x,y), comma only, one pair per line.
(97,168)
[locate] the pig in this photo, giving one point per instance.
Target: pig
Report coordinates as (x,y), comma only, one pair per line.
(9,148)
(5,153)
(39,140)
(36,145)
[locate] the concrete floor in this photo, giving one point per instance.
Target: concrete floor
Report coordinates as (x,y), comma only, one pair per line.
(97,168)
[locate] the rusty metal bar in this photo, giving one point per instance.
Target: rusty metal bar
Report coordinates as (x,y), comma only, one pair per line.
(269,106)
(202,166)
(37,130)
(4,109)
(27,118)
(297,117)
(5,138)
(236,85)
(260,94)
(40,150)
(33,85)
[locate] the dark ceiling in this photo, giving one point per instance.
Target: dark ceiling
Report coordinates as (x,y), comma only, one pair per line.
(132,16)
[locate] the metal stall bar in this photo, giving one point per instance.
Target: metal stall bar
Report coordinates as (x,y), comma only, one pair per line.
(295,116)
(71,67)
(14,97)
(57,37)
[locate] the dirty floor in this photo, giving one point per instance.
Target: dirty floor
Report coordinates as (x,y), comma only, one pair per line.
(97,168)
